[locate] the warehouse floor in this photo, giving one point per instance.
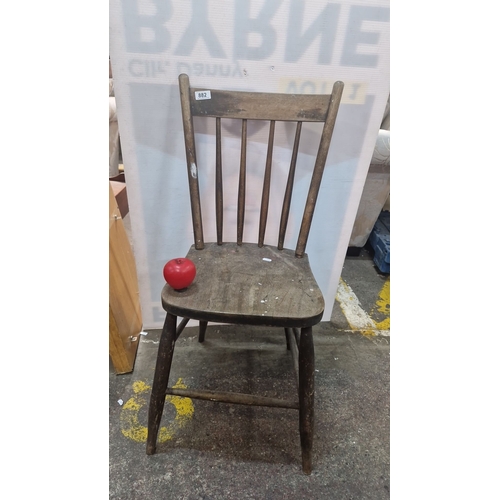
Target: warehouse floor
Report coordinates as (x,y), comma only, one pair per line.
(220,451)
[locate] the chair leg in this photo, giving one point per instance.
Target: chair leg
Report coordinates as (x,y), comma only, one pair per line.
(287,343)
(306,397)
(203,329)
(162,372)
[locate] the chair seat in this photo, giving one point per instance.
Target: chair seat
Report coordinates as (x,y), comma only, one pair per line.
(248,284)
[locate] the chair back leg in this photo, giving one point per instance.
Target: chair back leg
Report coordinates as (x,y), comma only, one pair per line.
(203,329)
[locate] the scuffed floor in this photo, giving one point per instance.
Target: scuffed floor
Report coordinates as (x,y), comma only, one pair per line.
(221,451)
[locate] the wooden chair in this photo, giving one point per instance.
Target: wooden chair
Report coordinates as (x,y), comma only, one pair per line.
(232,277)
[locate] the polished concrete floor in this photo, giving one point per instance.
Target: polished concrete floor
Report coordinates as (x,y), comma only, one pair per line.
(221,451)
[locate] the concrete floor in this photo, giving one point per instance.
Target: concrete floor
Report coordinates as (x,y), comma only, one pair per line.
(220,451)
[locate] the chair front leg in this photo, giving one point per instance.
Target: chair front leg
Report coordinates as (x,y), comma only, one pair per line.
(160,381)
(306,397)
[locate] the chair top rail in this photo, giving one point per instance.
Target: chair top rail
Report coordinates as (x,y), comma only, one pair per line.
(259,105)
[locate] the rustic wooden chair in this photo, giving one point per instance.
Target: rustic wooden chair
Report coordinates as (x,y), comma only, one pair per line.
(231,278)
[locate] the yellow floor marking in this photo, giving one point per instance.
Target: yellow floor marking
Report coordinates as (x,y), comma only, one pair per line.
(357,317)
(132,428)
(383,303)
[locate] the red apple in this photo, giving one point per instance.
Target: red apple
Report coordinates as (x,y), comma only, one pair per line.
(179,273)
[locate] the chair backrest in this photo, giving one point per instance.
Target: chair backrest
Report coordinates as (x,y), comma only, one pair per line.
(246,106)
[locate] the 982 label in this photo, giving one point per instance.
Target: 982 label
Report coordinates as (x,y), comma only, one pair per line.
(202,94)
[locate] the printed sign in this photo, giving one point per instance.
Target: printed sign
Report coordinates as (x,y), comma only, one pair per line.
(287,46)
(201,95)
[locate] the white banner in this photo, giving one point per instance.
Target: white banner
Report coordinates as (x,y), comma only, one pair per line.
(289,46)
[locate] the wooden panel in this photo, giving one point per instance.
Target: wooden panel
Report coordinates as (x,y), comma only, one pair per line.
(261,106)
(120,357)
(125,319)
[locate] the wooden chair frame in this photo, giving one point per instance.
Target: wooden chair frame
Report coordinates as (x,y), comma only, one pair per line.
(296,319)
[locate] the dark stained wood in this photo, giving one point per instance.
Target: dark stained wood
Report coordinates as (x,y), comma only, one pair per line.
(219,207)
(242,182)
(306,397)
(181,327)
(289,188)
(287,342)
(192,164)
(234,284)
(160,381)
(203,329)
(266,185)
(250,283)
(233,397)
(261,106)
(295,351)
(324,146)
